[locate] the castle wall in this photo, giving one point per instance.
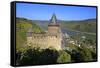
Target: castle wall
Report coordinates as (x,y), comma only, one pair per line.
(37,40)
(54,41)
(45,41)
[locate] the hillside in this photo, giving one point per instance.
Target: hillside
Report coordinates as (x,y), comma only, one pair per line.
(83,26)
(22,26)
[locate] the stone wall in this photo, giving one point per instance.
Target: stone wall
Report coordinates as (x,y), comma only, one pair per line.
(45,41)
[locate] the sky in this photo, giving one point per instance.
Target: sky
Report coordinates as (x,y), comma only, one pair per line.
(44,12)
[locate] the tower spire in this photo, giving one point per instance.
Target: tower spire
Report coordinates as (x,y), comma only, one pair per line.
(53,19)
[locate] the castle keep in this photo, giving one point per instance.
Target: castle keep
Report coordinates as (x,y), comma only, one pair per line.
(51,39)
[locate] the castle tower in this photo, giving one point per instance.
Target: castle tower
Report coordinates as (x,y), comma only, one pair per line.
(51,39)
(54,34)
(53,26)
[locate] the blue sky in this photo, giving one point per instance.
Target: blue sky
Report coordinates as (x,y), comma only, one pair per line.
(44,12)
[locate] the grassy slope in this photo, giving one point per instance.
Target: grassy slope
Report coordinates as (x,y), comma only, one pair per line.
(22,26)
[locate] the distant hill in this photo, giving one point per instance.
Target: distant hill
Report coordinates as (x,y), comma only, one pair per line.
(42,23)
(88,25)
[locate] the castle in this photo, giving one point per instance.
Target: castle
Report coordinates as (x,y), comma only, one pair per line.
(53,38)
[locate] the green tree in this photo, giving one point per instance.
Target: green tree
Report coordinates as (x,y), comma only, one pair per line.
(86,54)
(63,57)
(35,56)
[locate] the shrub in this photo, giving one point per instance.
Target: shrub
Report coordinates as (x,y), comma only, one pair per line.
(86,54)
(63,57)
(37,56)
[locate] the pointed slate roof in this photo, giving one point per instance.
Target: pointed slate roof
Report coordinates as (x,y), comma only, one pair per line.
(53,20)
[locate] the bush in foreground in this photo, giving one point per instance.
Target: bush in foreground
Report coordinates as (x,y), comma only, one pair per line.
(63,57)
